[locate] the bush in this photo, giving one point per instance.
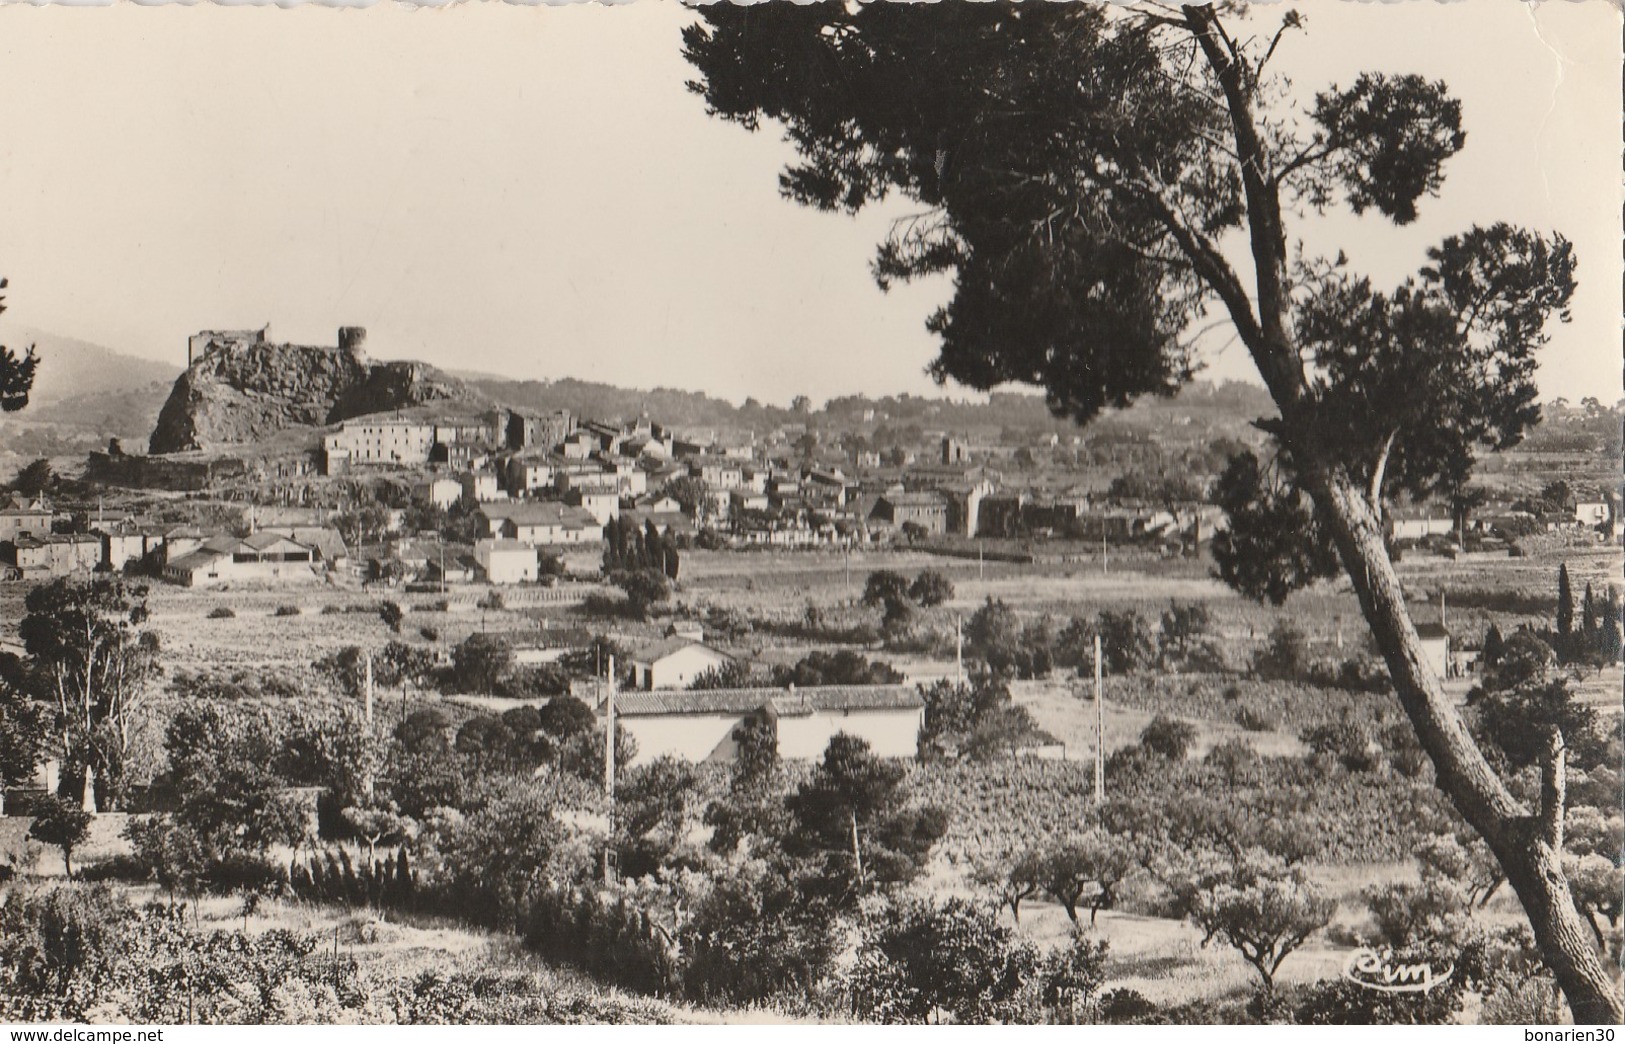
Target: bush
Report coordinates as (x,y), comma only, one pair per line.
(222,612)
(1168,737)
(431,634)
(1285,657)
(1338,1002)
(286,610)
(1124,1005)
(919,957)
(1254,720)
(332,609)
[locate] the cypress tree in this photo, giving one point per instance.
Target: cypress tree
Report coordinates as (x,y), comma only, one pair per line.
(1493,646)
(1610,642)
(1588,614)
(1565,602)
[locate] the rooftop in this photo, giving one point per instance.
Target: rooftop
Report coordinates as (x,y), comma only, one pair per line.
(777,702)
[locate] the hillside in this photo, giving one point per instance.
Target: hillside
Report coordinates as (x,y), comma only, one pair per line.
(70,368)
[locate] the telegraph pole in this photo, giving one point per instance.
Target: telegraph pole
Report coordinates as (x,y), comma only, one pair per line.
(609,734)
(1100,733)
(368,781)
(959,650)
(609,766)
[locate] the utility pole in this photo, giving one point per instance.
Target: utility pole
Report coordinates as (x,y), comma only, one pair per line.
(609,765)
(1100,732)
(367,783)
(959,650)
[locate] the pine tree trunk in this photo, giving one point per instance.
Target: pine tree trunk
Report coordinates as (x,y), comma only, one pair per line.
(1527,844)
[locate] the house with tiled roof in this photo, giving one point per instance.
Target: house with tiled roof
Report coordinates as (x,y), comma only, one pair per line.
(262,557)
(673,663)
(702,726)
(25,515)
(541,522)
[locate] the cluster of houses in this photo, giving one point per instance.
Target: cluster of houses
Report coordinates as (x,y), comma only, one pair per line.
(1506,519)
(554,481)
(180,553)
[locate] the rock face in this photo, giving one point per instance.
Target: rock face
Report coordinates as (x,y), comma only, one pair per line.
(241,388)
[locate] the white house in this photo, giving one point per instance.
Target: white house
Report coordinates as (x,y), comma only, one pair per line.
(506,561)
(441,492)
(1591,512)
(1436,647)
(673,664)
(542,523)
(604,505)
(701,726)
(1419,523)
(264,557)
(481,486)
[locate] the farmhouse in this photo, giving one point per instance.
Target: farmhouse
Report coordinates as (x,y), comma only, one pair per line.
(700,726)
(1436,647)
(926,510)
(441,492)
(481,486)
(24,515)
(265,557)
(52,555)
(603,505)
(673,664)
(530,472)
(541,523)
(330,548)
(506,561)
(1413,523)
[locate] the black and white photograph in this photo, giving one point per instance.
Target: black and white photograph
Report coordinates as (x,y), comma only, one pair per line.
(657,514)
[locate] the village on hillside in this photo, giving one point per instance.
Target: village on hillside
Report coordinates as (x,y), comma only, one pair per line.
(975,514)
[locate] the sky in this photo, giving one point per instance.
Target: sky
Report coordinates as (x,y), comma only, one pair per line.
(531,191)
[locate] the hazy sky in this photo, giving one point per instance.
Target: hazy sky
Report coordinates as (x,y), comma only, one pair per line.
(531,191)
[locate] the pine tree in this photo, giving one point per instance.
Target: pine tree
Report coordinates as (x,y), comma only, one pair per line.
(1565,602)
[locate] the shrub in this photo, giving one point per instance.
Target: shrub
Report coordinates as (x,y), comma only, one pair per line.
(1339,1002)
(286,610)
(1168,737)
(1285,657)
(1348,741)
(332,609)
(920,957)
(931,588)
(1255,720)
(222,612)
(1125,1005)
(431,634)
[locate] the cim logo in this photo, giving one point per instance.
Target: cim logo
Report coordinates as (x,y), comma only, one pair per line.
(1379,971)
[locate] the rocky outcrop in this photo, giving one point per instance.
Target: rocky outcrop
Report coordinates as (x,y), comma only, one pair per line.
(240,388)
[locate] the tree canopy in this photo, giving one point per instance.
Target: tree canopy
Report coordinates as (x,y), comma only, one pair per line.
(1082,172)
(16,372)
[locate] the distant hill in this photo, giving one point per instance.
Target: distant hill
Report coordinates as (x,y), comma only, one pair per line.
(91,393)
(71,368)
(88,393)
(1203,406)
